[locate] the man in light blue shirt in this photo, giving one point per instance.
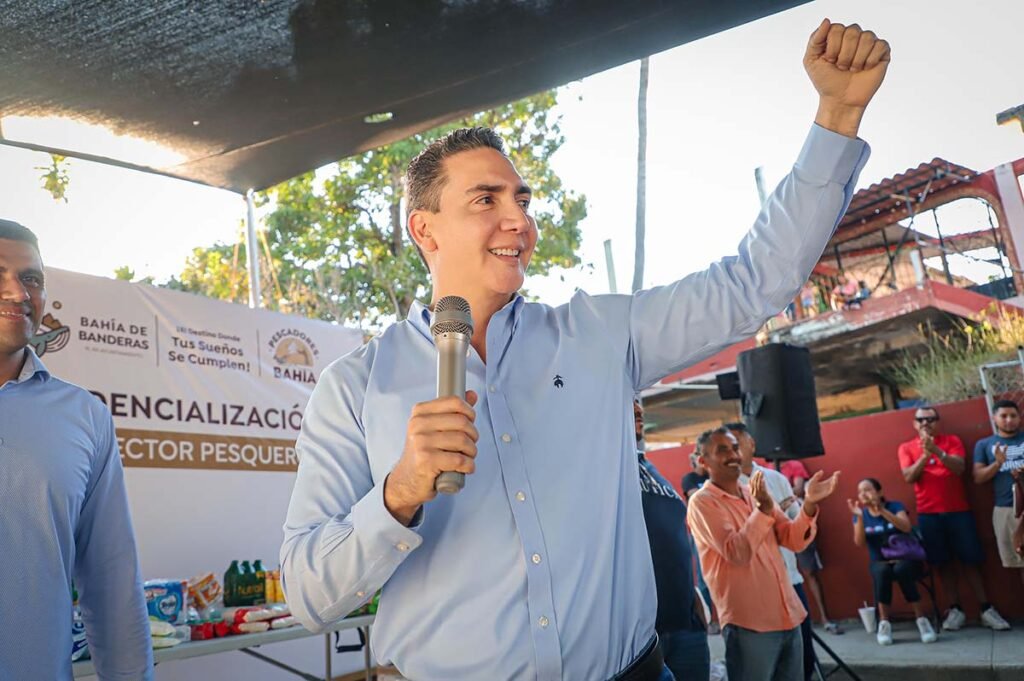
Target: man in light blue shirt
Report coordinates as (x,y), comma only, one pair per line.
(540,568)
(63,508)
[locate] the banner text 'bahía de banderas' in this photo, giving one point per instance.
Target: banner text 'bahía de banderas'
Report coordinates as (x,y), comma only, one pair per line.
(191,382)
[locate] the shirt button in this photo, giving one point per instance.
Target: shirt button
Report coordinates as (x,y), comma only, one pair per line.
(402,546)
(491,388)
(506,438)
(520,496)
(535,558)
(360,594)
(543,622)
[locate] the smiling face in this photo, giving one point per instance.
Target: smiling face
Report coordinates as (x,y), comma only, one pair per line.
(480,241)
(721,457)
(867,494)
(22,295)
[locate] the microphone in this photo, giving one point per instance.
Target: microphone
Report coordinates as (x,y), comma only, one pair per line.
(452,329)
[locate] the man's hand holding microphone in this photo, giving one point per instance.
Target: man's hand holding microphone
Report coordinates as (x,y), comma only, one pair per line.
(440,441)
(440,437)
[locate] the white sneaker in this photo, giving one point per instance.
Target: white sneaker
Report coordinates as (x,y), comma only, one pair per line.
(884,635)
(993,620)
(956,618)
(924,626)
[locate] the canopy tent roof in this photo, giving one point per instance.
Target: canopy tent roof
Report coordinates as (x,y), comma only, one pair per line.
(249,94)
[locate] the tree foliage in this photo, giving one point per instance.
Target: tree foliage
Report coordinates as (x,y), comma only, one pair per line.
(335,245)
(55,177)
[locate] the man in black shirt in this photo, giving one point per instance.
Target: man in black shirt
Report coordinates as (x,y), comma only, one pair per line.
(680,628)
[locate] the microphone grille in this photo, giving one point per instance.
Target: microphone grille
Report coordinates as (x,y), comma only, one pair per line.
(452,315)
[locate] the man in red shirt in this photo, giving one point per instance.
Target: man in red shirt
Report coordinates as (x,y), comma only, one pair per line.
(934,463)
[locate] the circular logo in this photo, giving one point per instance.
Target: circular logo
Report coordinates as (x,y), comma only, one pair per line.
(293,351)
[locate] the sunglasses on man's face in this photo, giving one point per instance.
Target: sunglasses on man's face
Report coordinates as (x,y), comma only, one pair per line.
(926,419)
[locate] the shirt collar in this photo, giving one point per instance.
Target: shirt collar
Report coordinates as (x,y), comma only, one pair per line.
(32,368)
(712,488)
(419,314)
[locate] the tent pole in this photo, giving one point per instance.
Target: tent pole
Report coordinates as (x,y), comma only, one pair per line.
(252,253)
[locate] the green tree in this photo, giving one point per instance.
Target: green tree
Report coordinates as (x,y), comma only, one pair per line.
(335,246)
(126,273)
(55,177)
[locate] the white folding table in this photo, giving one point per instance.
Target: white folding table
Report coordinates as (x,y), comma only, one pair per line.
(246,642)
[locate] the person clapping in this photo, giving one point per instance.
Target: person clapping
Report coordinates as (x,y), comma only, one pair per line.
(896,556)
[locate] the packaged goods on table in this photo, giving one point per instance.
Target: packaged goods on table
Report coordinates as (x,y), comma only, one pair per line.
(283,622)
(244,585)
(204,591)
(274,592)
(165,599)
(166,635)
(249,627)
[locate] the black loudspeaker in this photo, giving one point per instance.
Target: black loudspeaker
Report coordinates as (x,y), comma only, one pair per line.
(779,403)
(729,385)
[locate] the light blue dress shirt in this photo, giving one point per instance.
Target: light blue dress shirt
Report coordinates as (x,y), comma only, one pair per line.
(540,568)
(63,514)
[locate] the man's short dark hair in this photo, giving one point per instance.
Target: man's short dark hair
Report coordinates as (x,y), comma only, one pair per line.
(14,231)
(738,427)
(928,407)
(706,436)
(1005,404)
(425,176)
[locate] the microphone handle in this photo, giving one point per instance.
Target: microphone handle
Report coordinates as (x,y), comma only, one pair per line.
(452,349)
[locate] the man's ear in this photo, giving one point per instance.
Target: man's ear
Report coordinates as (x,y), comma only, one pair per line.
(419,230)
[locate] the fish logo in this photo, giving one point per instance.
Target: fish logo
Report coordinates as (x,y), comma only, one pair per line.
(51,337)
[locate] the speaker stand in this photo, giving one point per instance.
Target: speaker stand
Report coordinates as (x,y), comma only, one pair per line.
(840,665)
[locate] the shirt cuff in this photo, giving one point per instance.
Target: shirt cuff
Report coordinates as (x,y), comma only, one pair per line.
(833,157)
(371,518)
(809,521)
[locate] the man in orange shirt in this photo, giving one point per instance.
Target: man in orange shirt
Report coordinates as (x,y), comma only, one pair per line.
(934,463)
(738,532)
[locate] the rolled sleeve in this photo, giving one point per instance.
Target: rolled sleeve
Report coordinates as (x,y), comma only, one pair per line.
(797,534)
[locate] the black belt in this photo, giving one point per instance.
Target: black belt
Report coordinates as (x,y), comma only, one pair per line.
(647,666)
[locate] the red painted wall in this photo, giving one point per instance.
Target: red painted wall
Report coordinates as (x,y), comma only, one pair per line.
(866,446)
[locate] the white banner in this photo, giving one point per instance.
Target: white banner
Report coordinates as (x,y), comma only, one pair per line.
(191,382)
(207,399)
